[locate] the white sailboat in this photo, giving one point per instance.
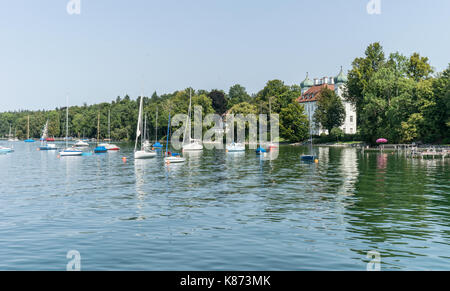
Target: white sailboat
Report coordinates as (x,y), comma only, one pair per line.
(10,137)
(235,147)
(4,150)
(108,146)
(69,151)
(44,145)
(190,144)
(142,153)
(271,145)
(81,144)
(171,157)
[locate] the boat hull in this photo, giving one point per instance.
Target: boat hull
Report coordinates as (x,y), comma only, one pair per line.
(308,158)
(235,148)
(70,153)
(174,160)
(193,147)
(144,155)
(48,148)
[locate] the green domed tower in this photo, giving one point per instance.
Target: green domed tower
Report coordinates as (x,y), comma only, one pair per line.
(306,84)
(341,78)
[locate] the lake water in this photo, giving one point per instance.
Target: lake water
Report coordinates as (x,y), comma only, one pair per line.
(224,211)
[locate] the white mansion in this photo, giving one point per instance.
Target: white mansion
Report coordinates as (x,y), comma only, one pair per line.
(311,93)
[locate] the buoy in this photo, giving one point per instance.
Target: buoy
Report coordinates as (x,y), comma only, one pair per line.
(124,159)
(316,161)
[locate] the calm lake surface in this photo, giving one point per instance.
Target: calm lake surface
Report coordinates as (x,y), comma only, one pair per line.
(223,211)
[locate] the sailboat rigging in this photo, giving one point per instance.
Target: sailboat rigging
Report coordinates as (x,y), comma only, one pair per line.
(190,144)
(142,153)
(156,144)
(69,151)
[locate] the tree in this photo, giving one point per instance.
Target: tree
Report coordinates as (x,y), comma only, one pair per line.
(244,108)
(330,111)
(294,124)
(237,94)
(418,67)
(361,72)
(219,101)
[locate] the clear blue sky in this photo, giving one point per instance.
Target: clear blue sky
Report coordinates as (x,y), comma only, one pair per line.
(117,47)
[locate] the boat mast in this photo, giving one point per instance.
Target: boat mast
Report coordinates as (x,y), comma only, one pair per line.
(67,121)
(156,128)
(168,133)
(188,119)
(28,127)
(270,113)
(109,124)
(98,128)
(144,137)
(139,124)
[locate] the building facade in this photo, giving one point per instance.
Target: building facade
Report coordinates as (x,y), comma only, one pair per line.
(311,94)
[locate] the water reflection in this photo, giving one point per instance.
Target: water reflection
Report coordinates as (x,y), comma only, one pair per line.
(260,212)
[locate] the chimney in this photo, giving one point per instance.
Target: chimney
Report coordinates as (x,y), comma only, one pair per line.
(325,80)
(316,81)
(331,80)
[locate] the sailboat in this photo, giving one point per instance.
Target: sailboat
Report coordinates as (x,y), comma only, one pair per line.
(311,157)
(10,137)
(235,146)
(171,157)
(190,144)
(69,151)
(28,131)
(4,150)
(156,144)
(260,150)
(99,149)
(272,145)
(146,143)
(44,145)
(109,147)
(142,153)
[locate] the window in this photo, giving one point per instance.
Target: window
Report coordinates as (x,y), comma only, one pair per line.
(351,130)
(351,118)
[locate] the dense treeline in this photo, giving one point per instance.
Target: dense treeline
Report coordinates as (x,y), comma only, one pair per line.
(124,112)
(397,97)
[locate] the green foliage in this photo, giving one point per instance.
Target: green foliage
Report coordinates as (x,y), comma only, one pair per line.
(397,99)
(219,101)
(294,124)
(330,111)
(418,67)
(244,108)
(337,133)
(237,94)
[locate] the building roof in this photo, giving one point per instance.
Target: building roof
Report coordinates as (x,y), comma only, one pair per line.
(313,93)
(341,78)
(307,82)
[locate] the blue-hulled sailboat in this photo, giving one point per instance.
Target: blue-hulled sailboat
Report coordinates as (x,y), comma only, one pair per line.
(28,131)
(157,144)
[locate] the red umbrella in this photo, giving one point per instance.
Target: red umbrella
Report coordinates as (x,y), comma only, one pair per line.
(381,140)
